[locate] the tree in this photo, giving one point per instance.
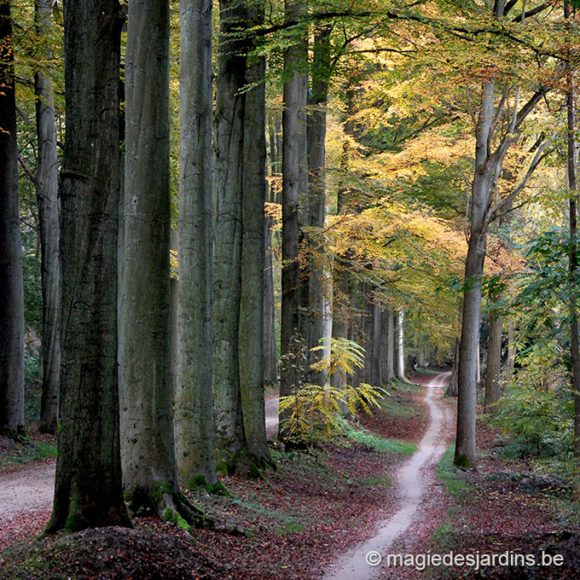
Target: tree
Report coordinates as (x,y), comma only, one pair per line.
(47,196)
(146,388)
(572,167)
(488,165)
(294,191)
(194,396)
(239,240)
(88,489)
(12,302)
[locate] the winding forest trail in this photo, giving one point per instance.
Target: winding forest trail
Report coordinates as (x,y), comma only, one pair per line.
(414,481)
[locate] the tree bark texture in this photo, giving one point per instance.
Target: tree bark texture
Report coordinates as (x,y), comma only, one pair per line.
(146,387)
(47,196)
(294,192)
(88,490)
(12,301)
(194,391)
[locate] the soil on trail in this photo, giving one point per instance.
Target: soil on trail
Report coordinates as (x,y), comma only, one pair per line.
(28,489)
(414,481)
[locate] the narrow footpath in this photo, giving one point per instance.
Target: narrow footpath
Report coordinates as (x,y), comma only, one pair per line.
(413,484)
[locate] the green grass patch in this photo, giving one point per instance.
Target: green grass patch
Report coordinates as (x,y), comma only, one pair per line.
(378,443)
(377,481)
(447,473)
(397,408)
(404,386)
(23,453)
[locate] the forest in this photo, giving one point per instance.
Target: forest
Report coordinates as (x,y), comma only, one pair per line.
(289,289)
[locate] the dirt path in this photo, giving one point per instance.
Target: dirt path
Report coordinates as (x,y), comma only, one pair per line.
(272,417)
(27,490)
(414,482)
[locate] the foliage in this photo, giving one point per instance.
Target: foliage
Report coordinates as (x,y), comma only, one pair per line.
(313,413)
(539,422)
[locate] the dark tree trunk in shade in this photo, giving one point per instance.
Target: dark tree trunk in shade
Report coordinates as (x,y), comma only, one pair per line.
(47,196)
(493,371)
(316,132)
(12,300)
(253,265)
(294,192)
(194,424)
(572,164)
(270,358)
(88,490)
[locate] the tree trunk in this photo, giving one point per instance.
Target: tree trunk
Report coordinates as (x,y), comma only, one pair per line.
(492,377)
(390,343)
(12,302)
(294,191)
(228,230)
(251,329)
(317,276)
(400,346)
(453,387)
(88,490)
(270,358)
(146,393)
(511,352)
(194,393)
(573,259)
(47,196)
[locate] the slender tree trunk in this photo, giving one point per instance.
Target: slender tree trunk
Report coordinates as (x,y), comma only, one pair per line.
(88,490)
(492,377)
(573,258)
(194,391)
(12,302)
(400,346)
(317,276)
(390,343)
(453,387)
(146,392)
(270,358)
(47,196)
(511,352)
(378,346)
(229,151)
(294,191)
(251,329)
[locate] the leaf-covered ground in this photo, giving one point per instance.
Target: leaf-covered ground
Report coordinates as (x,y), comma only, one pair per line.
(302,517)
(297,520)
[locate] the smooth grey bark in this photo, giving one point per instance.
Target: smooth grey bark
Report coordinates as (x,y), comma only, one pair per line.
(488,167)
(378,350)
(294,192)
(253,264)
(12,301)
(88,491)
(270,358)
(493,371)
(194,423)
(229,151)
(316,134)
(146,386)
(47,197)
(399,361)
(452,388)
(390,345)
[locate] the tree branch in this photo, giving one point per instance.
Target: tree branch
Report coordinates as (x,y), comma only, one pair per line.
(27,170)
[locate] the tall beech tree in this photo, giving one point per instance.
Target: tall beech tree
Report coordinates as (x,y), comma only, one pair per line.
(194,391)
(88,489)
(12,301)
(47,196)
(294,192)
(491,150)
(146,388)
(240,190)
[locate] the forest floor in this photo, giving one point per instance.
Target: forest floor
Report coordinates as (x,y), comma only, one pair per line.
(317,507)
